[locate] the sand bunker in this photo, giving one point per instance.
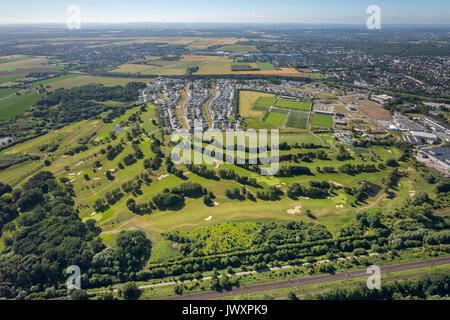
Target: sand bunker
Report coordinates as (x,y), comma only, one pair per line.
(336,183)
(297,209)
(162,177)
(339,206)
(209,218)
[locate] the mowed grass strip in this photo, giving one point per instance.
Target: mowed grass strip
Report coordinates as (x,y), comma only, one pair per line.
(321,120)
(15,105)
(276,118)
(298,105)
(298,120)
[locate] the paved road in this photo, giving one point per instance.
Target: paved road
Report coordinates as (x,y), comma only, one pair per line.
(309,280)
(142,229)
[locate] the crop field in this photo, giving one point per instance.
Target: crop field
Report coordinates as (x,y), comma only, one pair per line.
(238,48)
(322,120)
(265,66)
(275,118)
(14,105)
(169,68)
(81,80)
(7,92)
(298,105)
(298,119)
(208,65)
(52,80)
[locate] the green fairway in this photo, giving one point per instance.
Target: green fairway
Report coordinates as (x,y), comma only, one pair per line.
(298,105)
(275,118)
(15,105)
(322,120)
(298,119)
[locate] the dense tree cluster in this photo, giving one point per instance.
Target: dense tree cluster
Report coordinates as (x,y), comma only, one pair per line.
(292,171)
(432,285)
(315,190)
(203,171)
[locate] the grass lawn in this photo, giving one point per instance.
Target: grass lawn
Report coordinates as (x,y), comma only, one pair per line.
(322,120)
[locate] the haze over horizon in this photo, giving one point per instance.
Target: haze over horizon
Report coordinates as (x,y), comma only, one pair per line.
(233,11)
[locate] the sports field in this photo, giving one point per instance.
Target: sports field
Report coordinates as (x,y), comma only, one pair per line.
(265,102)
(298,119)
(275,118)
(298,105)
(321,120)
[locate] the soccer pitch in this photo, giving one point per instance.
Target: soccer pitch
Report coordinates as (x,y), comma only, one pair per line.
(322,120)
(276,118)
(297,105)
(298,119)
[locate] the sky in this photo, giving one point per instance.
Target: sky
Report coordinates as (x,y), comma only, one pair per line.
(226,11)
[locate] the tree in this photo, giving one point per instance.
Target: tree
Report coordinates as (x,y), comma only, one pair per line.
(292,296)
(78,294)
(129,291)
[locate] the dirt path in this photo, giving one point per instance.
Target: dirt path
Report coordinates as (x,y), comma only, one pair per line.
(372,204)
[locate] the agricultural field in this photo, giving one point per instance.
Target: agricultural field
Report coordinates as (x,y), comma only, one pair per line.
(276,118)
(208,65)
(238,48)
(297,105)
(13,105)
(7,92)
(265,66)
(81,80)
(321,120)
